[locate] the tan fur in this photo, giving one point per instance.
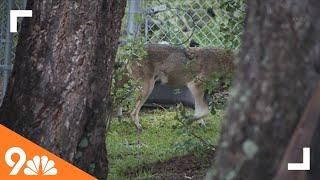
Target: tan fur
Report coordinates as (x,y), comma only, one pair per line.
(178,67)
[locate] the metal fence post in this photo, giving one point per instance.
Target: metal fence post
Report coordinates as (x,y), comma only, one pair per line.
(8,49)
(134,9)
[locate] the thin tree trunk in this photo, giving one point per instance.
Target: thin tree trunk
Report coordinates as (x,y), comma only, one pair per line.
(58,94)
(274,82)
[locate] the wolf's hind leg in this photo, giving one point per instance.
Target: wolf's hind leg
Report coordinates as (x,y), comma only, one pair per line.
(201,107)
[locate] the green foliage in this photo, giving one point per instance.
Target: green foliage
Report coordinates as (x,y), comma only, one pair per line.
(217,82)
(194,141)
(216,88)
(134,49)
(123,94)
(231,24)
(125,89)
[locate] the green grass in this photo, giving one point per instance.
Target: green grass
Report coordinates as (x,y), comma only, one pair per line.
(163,138)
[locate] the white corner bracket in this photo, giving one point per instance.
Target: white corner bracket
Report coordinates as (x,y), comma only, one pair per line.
(305,165)
(14,15)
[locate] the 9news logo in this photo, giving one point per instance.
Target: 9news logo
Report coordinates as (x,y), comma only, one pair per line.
(36,166)
(22,159)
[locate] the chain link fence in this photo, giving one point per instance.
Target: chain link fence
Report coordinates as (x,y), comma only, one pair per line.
(5,44)
(8,41)
(178,22)
(3,27)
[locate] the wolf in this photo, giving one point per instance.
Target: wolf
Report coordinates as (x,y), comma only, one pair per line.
(178,67)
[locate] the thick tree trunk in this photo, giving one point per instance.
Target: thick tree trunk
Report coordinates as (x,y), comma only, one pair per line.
(274,82)
(58,94)
(315,154)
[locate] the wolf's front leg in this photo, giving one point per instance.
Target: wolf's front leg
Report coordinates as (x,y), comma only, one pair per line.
(146,90)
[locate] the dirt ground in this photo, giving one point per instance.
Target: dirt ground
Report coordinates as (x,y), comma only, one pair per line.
(178,168)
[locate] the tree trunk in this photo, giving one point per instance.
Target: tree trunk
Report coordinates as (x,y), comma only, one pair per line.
(315,154)
(58,94)
(275,79)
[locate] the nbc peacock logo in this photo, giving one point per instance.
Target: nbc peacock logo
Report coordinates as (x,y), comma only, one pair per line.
(47,166)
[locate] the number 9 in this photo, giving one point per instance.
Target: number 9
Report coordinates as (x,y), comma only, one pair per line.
(16,165)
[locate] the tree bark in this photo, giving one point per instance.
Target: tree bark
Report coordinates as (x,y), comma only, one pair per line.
(58,94)
(277,72)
